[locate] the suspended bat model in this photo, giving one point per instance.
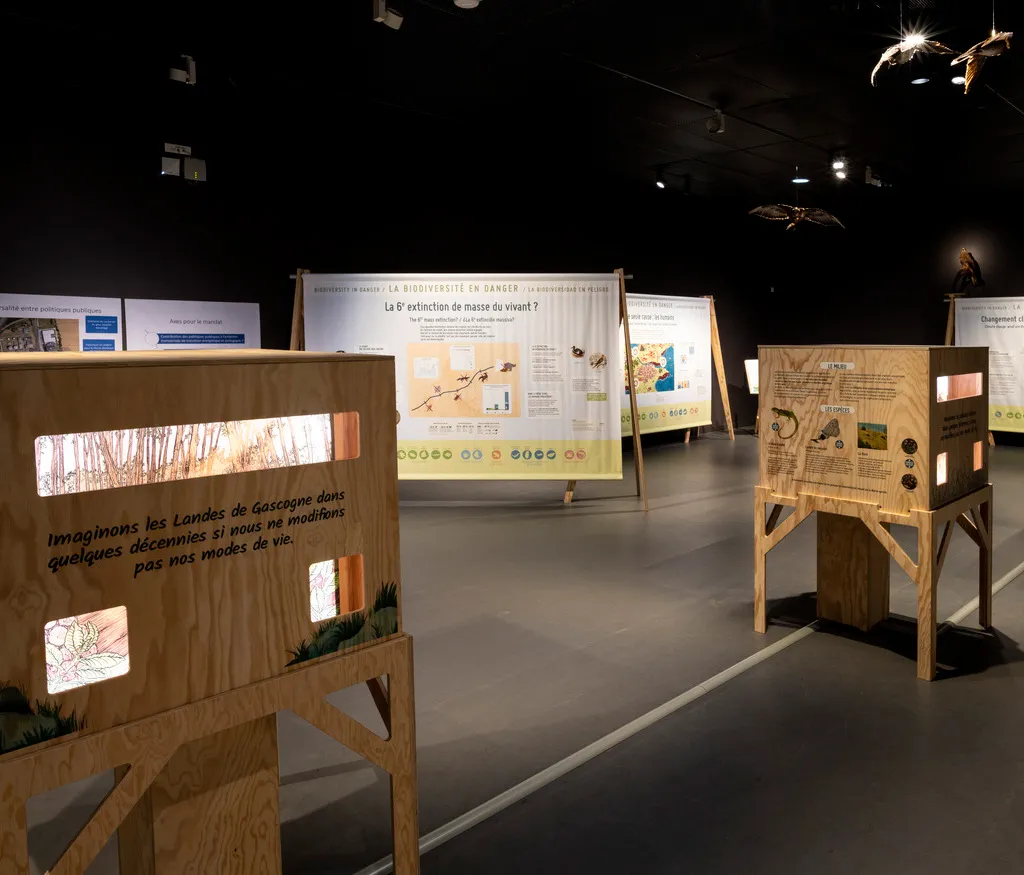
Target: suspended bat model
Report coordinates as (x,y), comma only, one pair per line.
(907,49)
(795,215)
(976,56)
(969,273)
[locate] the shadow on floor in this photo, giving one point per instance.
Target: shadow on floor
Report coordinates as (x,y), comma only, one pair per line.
(962,651)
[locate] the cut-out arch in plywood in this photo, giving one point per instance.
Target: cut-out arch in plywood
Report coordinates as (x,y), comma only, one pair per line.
(194,494)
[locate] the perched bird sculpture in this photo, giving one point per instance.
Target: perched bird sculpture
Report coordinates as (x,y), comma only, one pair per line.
(795,215)
(976,56)
(907,49)
(969,273)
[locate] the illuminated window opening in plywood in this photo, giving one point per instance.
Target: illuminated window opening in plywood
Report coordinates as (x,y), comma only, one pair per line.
(93,461)
(941,461)
(978,455)
(336,587)
(86,649)
(957,386)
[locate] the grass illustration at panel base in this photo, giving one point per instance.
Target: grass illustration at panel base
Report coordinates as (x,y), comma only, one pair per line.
(350,630)
(22,725)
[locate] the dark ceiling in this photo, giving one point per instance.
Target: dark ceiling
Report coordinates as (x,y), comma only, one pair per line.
(603,88)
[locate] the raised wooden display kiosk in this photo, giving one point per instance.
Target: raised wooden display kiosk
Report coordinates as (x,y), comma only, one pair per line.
(190,543)
(868,437)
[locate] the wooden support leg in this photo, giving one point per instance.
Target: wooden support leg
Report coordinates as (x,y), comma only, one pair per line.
(853,573)
(926,600)
(985,567)
(570,488)
(686,439)
(405,828)
(13,832)
(214,807)
(760,566)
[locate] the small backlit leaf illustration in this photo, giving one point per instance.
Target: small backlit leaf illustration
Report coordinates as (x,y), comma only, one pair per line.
(92,634)
(77,636)
(52,656)
(99,666)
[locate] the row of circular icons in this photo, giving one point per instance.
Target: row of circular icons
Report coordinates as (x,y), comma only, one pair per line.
(477,455)
(1010,414)
(909,481)
(654,414)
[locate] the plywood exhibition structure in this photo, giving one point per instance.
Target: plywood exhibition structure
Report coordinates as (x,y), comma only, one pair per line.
(191,543)
(868,437)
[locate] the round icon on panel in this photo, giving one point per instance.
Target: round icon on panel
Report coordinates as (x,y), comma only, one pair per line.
(909,481)
(569,454)
(478,454)
(909,446)
(495,454)
(581,454)
(465,454)
(514,454)
(909,463)
(551,454)
(435,454)
(447,454)
(401,454)
(839,445)
(527,455)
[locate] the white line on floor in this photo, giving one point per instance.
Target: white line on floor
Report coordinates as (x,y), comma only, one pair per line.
(552,773)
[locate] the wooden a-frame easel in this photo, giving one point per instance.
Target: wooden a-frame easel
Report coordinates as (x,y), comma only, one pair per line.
(951,334)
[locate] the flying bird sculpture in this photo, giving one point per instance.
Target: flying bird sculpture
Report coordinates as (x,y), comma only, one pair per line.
(969,273)
(795,215)
(907,49)
(976,56)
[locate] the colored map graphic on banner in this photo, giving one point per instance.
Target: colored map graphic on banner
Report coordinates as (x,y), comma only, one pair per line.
(503,377)
(53,323)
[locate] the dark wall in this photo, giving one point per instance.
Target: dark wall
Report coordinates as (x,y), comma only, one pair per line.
(354,187)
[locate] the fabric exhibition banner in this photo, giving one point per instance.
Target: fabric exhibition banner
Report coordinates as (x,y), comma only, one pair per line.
(191,325)
(671,340)
(54,323)
(504,377)
(997,323)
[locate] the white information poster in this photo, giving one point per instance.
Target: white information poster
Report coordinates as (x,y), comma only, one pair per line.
(191,325)
(671,340)
(997,323)
(751,367)
(52,323)
(505,377)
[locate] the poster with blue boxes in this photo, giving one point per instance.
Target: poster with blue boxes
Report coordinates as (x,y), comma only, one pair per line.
(55,323)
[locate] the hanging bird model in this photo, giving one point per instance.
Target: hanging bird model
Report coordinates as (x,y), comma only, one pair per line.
(969,273)
(907,49)
(976,56)
(795,215)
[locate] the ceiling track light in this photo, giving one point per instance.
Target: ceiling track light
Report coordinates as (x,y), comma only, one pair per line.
(659,178)
(467,4)
(798,179)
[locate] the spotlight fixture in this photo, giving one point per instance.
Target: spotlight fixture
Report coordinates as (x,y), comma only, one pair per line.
(958,80)
(798,179)
(840,174)
(838,163)
(920,80)
(467,4)
(716,124)
(659,178)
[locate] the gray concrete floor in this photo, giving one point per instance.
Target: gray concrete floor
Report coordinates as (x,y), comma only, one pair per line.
(540,628)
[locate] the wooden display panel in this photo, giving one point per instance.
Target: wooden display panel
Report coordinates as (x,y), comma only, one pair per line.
(203,538)
(865,423)
(868,437)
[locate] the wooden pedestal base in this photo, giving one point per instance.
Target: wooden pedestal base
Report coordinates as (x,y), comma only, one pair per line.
(856,591)
(197,787)
(853,573)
